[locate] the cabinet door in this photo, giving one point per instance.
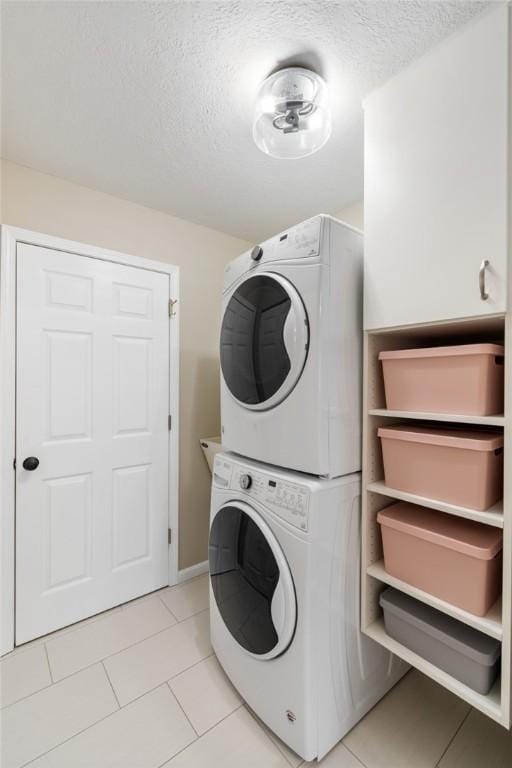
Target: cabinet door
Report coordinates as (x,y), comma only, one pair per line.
(436,160)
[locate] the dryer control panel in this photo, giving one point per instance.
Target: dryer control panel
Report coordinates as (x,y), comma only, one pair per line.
(286,499)
(299,242)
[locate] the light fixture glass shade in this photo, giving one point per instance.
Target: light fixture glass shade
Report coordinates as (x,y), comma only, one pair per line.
(292,117)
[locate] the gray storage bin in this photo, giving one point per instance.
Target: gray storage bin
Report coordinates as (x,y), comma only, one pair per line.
(461,651)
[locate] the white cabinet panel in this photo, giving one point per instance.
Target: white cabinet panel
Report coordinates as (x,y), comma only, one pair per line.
(436,149)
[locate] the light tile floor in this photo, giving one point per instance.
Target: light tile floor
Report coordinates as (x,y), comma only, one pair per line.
(139,687)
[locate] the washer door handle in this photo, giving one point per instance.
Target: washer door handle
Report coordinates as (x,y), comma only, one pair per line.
(290,335)
(278,608)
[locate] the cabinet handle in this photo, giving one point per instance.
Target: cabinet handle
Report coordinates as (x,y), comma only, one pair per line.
(481,279)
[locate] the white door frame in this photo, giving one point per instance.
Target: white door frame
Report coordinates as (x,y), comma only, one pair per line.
(10,236)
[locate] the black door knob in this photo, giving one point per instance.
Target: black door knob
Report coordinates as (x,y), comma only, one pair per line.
(31,463)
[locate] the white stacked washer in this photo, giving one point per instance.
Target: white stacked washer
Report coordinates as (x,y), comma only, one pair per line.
(290,350)
(284,547)
(284,597)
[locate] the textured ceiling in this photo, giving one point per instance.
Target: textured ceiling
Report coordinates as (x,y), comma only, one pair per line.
(153,101)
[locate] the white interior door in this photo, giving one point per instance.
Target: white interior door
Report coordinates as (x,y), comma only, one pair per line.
(92,407)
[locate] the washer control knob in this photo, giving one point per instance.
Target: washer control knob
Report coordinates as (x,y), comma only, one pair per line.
(245,482)
(256,253)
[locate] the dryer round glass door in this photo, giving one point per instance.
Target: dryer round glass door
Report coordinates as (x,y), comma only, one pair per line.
(251,581)
(264,340)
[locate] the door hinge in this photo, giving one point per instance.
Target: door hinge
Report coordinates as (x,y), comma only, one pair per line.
(14,463)
(169,422)
(172,312)
(169,536)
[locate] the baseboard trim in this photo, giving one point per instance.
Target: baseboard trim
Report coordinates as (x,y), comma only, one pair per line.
(194,570)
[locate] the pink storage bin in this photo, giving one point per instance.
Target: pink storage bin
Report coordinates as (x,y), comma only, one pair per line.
(456,466)
(454,559)
(467,379)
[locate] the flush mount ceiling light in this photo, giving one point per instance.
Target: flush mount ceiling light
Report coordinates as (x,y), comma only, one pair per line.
(292,117)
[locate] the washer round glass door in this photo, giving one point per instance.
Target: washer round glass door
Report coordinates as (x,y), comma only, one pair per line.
(264,340)
(251,581)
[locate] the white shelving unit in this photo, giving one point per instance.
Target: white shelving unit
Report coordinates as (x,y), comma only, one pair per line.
(489,625)
(489,421)
(492,516)
(491,705)
(377,496)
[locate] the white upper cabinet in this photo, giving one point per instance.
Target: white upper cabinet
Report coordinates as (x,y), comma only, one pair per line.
(436,193)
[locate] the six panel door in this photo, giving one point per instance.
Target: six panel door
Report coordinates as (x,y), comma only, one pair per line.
(92,408)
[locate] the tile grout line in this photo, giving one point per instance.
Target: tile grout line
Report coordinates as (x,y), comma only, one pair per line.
(121,706)
(69,738)
(256,719)
(48,662)
(168,609)
(142,598)
(122,650)
(165,682)
(199,737)
(5,707)
(283,754)
(101,661)
(47,687)
(212,727)
(268,731)
(450,742)
(58,633)
(89,666)
(242,705)
(79,733)
(205,610)
(167,760)
(178,702)
(110,683)
(19,650)
(354,754)
(162,682)
(95,663)
(141,695)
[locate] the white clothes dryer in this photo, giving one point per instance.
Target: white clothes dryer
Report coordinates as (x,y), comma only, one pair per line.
(291,350)
(284,602)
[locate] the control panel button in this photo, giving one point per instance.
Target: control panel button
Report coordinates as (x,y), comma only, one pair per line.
(290,502)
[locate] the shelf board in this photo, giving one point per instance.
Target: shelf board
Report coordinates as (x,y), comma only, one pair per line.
(489,625)
(490,421)
(490,704)
(492,516)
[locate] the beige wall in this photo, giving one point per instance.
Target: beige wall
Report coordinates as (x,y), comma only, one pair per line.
(53,206)
(353,214)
